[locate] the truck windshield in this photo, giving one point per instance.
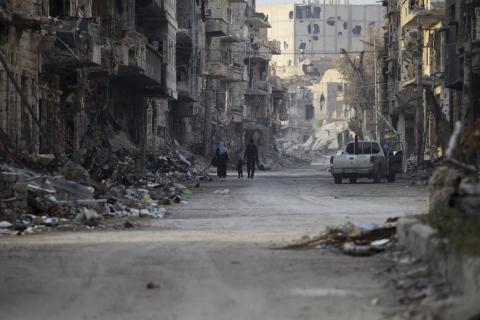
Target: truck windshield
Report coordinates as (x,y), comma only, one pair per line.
(363,148)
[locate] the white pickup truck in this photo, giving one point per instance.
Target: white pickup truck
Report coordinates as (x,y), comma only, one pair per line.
(365,159)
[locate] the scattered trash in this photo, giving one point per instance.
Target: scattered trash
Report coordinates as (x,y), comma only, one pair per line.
(5,225)
(187,192)
(224,191)
(324,292)
(352,238)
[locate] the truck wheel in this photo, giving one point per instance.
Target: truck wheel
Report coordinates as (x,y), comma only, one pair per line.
(338,178)
(352,179)
(391,177)
(377,177)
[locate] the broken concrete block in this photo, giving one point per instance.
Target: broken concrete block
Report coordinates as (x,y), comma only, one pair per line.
(75,172)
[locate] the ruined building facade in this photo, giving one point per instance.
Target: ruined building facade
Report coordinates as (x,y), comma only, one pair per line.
(84,77)
(431,64)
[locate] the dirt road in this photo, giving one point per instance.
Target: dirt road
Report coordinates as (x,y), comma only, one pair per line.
(213,258)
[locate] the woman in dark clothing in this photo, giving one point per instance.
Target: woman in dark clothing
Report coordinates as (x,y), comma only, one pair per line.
(221,159)
(251,156)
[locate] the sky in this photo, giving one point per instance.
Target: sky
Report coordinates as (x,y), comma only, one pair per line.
(260,3)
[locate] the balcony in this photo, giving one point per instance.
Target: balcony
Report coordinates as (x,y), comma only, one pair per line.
(235,73)
(142,67)
(275,47)
(414,15)
(155,10)
(258,51)
(234,35)
(258,87)
(184,37)
(216,27)
(132,53)
(216,69)
(237,114)
(184,89)
(74,44)
(256,19)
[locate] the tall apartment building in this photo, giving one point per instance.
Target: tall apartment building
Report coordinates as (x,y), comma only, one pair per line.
(74,73)
(312,31)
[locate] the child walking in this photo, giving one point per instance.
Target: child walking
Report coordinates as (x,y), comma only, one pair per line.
(240,168)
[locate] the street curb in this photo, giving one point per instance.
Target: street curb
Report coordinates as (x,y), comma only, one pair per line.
(461,271)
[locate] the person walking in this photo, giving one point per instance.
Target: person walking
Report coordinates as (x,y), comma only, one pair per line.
(221,160)
(251,157)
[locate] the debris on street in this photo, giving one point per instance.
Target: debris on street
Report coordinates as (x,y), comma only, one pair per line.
(352,238)
(70,197)
(223,191)
(421,291)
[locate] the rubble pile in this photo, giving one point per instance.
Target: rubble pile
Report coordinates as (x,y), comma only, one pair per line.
(278,160)
(352,238)
(419,175)
(422,292)
(71,197)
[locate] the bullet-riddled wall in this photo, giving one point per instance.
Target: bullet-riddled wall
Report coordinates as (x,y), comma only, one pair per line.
(312,31)
(328,97)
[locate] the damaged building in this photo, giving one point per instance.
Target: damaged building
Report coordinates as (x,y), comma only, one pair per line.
(85,78)
(430,68)
(311,31)
(312,34)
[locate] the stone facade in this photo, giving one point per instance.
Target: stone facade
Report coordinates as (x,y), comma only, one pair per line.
(156,70)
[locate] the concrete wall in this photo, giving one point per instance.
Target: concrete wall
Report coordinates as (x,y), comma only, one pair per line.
(326,29)
(331,87)
(283,29)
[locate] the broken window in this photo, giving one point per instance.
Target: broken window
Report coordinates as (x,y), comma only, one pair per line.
(59,8)
(345,26)
(290,15)
(357,30)
(316,28)
(309,28)
(299,13)
(331,21)
(303,45)
(309,112)
(340,88)
(285,45)
(308,12)
(315,38)
(316,12)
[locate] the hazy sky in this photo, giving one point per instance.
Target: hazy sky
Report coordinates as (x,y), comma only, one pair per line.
(260,3)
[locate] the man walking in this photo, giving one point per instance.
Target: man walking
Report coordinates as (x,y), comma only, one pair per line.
(251,156)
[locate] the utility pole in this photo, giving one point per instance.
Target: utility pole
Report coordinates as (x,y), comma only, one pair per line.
(376,83)
(419,123)
(466,111)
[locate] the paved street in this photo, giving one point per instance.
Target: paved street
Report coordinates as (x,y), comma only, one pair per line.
(213,258)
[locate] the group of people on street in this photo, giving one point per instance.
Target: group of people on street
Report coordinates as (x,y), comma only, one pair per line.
(250,156)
